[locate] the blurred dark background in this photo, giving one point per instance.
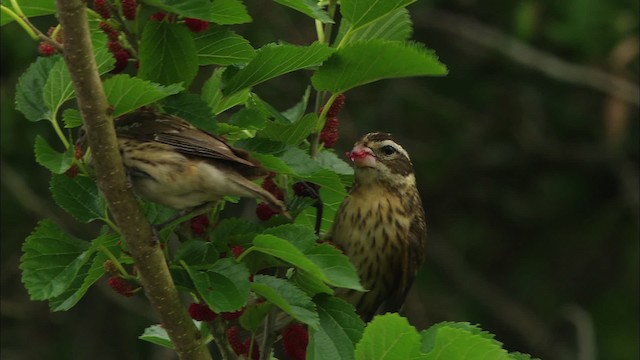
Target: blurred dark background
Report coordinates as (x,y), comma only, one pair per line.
(526,156)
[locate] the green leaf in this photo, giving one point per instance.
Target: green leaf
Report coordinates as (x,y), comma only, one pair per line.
(51,260)
(221,46)
(365,62)
(126,94)
(330,161)
(296,112)
(192,108)
(309,283)
(394,26)
(30,8)
(292,134)
(287,297)
(156,213)
(273,60)
(212,94)
(309,8)
(30,89)
(253,315)
(282,249)
(167,54)
(458,340)
(71,118)
(339,331)
(156,334)
(301,237)
(58,89)
(390,336)
(267,110)
(229,12)
(196,252)
(362,12)
(520,356)
(79,196)
(335,265)
(88,274)
(224,286)
(46,156)
(235,231)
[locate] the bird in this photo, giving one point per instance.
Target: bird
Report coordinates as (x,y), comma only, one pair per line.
(380,226)
(171,162)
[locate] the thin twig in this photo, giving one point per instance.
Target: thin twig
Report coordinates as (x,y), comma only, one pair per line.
(529,56)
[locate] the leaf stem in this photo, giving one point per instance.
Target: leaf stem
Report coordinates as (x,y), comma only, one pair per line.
(114,260)
(20,21)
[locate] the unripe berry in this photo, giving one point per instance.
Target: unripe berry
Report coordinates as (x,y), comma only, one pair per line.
(100,6)
(129,9)
(46,49)
(121,286)
(201,312)
(295,339)
(264,211)
(196,25)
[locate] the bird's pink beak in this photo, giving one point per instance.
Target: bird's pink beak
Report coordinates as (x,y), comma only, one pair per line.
(362,157)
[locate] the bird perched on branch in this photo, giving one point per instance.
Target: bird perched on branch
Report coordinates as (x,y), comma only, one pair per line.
(175,164)
(380,225)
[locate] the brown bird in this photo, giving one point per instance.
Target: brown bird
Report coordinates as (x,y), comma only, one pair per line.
(381,226)
(175,164)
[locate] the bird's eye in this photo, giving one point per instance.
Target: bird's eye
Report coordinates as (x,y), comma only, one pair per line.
(388,150)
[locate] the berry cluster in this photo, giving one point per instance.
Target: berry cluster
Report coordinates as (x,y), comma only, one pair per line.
(241,347)
(329,133)
(263,210)
(122,286)
(201,312)
(45,48)
(199,224)
(295,339)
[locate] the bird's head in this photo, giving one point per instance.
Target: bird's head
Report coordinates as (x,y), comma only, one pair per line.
(377,157)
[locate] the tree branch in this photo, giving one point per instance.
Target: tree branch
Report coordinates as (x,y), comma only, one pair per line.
(529,56)
(111,180)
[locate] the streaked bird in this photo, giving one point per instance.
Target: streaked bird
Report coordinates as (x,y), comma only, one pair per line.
(172,163)
(380,225)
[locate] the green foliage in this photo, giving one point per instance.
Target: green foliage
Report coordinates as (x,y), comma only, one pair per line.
(235,264)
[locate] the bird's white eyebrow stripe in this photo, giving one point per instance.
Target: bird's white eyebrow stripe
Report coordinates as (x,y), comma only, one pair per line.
(396,146)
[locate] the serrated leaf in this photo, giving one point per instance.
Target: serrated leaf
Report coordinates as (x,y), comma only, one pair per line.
(235,231)
(31,8)
(51,260)
(58,89)
(292,134)
(365,62)
(296,112)
(265,109)
(389,336)
(167,54)
(229,12)
(192,108)
(339,331)
(458,340)
(88,274)
(79,196)
(212,94)
(156,334)
(221,46)
(282,249)
(301,237)
(30,89)
(520,356)
(332,193)
(156,213)
(125,93)
(273,60)
(330,161)
(55,161)
(196,252)
(71,118)
(362,12)
(335,265)
(309,8)
(224,286)
(394,26)
(310,284)
(287,297)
